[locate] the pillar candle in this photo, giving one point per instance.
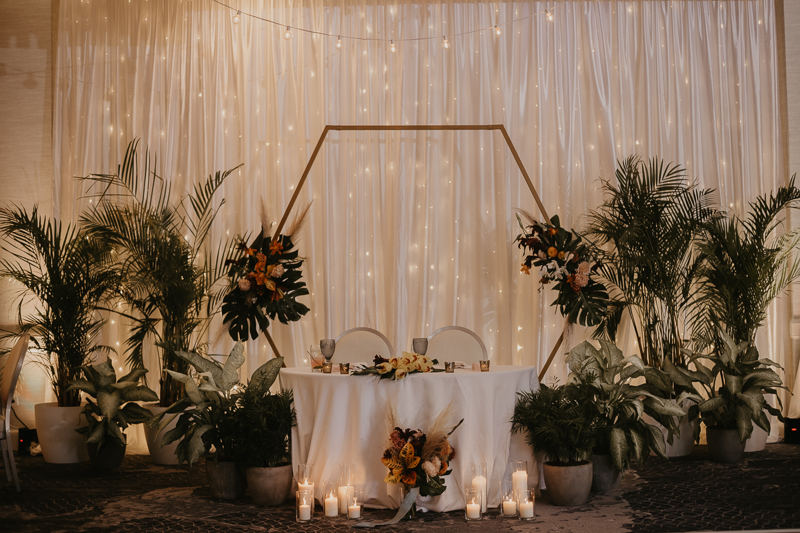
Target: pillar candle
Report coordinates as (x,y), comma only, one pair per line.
(473,510)
(526,509)
(305,511)
(343,498)
(479,484)
(331,505)
(354,511)
(509,507)
(520,480)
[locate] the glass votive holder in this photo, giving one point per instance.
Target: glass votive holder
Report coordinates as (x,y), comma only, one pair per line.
(519,476)
(472,499)
(345,487)
(355,500)
(449,366)
(484,366)
(315,355)
(304,477)
(331,501)
(326,367)
(479,479)
(344,368)
(526,499)
(508,507)
(305,506)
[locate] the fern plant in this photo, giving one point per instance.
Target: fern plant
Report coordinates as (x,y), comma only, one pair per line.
(560,421)
(170,277)
(66,276)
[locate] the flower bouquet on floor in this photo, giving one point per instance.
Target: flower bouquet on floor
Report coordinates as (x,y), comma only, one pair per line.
(419,461)
(399,367)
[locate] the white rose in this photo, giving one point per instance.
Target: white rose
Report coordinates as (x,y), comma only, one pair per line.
(244,284)
(277,271)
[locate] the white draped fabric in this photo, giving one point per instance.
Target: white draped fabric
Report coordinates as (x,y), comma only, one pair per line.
(409,232)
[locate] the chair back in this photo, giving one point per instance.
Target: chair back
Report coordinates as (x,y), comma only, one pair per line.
(361,345)
(454,343)
(11,371)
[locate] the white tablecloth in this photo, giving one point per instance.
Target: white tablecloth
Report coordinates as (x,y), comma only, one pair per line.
(342,419)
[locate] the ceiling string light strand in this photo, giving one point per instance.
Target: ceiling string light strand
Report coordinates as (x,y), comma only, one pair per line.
(496,28)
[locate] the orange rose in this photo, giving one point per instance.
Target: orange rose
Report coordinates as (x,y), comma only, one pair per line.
(552,231)
(552,252)
(561,255)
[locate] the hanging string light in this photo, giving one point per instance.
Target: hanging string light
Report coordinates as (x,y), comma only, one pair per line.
(548,13)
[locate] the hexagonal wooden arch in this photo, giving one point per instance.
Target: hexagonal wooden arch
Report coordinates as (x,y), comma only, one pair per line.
(490,127)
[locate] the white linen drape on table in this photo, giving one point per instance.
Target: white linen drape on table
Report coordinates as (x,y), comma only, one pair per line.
(409,231)
(343,420)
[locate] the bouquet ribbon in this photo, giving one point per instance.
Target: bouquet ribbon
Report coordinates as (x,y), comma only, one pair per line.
(411,497)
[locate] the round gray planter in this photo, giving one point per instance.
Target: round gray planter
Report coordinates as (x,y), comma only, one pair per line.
(568,485)
(724,445)
(270,486)
(226,479)
(604,476)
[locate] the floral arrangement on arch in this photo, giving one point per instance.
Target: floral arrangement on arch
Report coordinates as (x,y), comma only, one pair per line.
(420,460)
(265,283)
(398,368)
(564,260)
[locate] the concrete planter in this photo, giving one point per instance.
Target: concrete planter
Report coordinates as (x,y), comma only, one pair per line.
(724,445)
(269,486)
(56,426)
(568,485)
(161,455)
(109,457)
(683,445)
(604,476)
(226,479)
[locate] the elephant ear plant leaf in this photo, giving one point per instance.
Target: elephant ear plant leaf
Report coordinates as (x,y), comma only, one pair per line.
(209,416)
(114,409)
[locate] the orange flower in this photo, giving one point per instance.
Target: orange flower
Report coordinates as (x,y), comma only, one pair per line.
(250,251)
(525,269)
(409,478)
(260,267)
(444,468)
(552,251)
(552,231)
(275,246)
(561,255)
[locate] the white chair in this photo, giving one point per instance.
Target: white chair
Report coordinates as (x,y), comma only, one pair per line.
(359,345)
(454,343)
(10,375)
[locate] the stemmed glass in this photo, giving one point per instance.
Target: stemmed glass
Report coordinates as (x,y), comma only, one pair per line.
(327,347)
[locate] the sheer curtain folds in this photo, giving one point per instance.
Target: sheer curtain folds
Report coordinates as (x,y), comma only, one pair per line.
(412,231)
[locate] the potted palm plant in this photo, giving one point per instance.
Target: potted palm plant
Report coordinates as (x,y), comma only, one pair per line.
(644,236)
(112,411)
(65,275)
(561,422)
(623,434)
(743,269)
(170,281)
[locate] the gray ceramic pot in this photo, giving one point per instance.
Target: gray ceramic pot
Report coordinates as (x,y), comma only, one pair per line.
(226,479)
(568,485)
(724,445)
(604,476)
(269,486)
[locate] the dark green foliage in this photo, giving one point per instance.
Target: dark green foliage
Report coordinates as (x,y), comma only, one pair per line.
(108,417)
(67,273)
(561,421)
(651,219)
(265,423)
(170,278)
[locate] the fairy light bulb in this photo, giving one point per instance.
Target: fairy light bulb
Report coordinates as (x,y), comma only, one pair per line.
(445,42)
(392,46)
(339,43)
(237,16)
(497,30)
(288,33)
(549,16)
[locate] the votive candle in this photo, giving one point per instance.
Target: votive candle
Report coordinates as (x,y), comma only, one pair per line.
(509,508)
(526,509)
(332,505)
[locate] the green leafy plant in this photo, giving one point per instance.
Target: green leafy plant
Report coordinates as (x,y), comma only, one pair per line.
(114,410)
(564,259)
(65,276)
(621,429)
(560,421)
(643,236)
(265,427)
(170,281)
(737,381)
(210,413)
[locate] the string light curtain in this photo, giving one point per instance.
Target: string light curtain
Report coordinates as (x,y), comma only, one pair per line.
(409,232)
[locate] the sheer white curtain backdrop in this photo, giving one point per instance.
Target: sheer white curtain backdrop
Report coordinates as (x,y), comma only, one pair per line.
(409,232)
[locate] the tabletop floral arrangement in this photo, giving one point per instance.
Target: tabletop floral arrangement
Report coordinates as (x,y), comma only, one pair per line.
(398,368)
(420,460)
(265,283)
(565,260)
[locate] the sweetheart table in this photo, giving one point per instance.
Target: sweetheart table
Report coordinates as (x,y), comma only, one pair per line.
(343,419)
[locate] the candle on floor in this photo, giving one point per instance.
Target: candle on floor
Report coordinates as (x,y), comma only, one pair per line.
(473,510)
(305,485)
(509,507)
(479,484)
(520,479)
(526,509)
(343,498)
(331,505)
(354,511)
(305,511)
